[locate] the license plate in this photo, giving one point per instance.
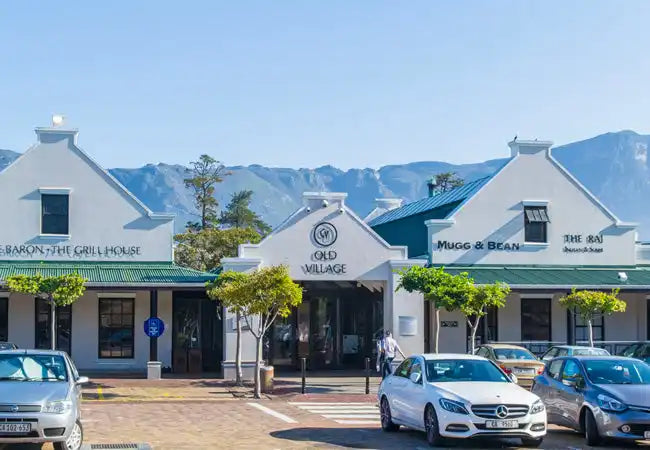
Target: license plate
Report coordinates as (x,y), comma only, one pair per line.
(15,427)
(646,434)
(524,371)
(501,424)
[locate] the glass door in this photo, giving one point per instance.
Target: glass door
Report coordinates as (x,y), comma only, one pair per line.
(43,326)
(186,335)
(323,328)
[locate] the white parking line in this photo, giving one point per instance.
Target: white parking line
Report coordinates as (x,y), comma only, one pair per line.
(270,412)
(353,413)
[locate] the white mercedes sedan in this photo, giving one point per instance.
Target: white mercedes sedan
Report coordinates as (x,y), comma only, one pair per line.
(454,396)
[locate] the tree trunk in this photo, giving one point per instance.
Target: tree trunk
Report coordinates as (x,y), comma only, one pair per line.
(53,323)
(238,371)
(591,333)
(258,365)
(436,336)
(474,328)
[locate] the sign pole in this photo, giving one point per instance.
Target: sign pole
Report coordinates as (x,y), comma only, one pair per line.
(153,312)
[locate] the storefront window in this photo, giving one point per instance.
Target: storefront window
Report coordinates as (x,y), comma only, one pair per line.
(116,327)
(55,214)
(4,319)
(597,326)
(535,222)
(43,326)
(535,319)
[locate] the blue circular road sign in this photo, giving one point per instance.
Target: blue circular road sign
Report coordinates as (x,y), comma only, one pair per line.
(154,327)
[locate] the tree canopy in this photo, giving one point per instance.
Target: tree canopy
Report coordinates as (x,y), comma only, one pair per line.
(446,291)
(446,181)
(203,176)
(239,215)
(62,290)
(591,304)
(203,250)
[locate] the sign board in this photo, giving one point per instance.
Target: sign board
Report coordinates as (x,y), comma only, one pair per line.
(408,326)
(154,327)
(449,323)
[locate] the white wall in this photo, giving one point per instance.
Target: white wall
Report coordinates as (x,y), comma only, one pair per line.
(495,214)
(101,214)
(22,320)
(165,310)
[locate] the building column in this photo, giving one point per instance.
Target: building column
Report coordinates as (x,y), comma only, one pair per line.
(153,312)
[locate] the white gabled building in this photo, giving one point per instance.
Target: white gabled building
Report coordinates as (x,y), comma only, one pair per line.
(65,214)
(534,226)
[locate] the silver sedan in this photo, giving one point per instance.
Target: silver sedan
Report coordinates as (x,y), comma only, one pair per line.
(40,395)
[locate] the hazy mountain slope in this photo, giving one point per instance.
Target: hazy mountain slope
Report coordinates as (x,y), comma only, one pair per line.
(614,166)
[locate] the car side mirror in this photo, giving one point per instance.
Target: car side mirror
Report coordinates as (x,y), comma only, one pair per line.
(83,380)
(513,378)
(415,378)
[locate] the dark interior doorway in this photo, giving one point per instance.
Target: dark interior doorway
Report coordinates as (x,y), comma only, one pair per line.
(197,333)
(336,327)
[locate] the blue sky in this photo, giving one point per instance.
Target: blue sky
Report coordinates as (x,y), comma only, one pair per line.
(306,83)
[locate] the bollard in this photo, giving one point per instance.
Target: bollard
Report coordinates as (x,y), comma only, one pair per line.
(367,375)
(303,367)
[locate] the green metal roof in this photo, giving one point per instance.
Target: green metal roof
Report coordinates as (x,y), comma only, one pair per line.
(110,273)
(638,277)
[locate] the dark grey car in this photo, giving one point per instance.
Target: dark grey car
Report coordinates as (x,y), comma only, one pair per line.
(602,396)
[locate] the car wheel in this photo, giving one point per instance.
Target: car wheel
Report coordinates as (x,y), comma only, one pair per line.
(75,439)
(532,442)
(431,426)
(591,429)
(387,423)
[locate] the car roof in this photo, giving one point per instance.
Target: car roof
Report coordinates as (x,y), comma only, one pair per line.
(577,347)
(437,356)
(505,346)
(21,351)
(598,358)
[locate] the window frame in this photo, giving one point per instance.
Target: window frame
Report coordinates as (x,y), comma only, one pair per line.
(579,373)
(528,239)
(48,325)
(408,362)
(558,375)
(600,326)
(416,363)
(49,194)
(121,299)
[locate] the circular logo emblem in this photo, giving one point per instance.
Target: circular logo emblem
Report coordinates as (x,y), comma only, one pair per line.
(501,411)
(325,234)
(14,408)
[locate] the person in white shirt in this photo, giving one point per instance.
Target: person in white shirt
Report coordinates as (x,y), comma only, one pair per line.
(389,347)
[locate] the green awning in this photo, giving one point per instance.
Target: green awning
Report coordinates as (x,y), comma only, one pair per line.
(112,273)
(562,277)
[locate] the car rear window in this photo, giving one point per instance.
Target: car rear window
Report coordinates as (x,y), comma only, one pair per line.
(513,353)
(590,351)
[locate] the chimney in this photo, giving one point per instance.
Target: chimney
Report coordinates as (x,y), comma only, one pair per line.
(524,147)
(388,203)
(432,184)
(57,132)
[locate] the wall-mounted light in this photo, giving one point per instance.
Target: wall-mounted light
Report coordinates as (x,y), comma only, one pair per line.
(308,209)
(341,210)
(325,203)
(622,277)
(58,120)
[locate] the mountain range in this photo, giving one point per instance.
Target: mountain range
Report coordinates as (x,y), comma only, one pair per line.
(613,166)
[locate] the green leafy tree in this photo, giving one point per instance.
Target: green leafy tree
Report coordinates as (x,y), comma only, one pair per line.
(480,299)
(204,249)
(229,290)
(203,176)
(261,296)
(446,181)
(61,290)
(238,214)
(592,304)
(444,290)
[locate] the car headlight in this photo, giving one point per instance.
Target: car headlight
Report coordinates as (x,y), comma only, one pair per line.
(537,407)
(608,403)
(453,406)
(58,407)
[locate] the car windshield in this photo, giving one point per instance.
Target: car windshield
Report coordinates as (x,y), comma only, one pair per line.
(590,351)
(513,353)
(617,371)
(449,370)
(32,368)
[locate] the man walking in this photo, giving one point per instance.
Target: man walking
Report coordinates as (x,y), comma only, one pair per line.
(389,346)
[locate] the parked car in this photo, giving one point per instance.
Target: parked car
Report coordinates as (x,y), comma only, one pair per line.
(40,395)
(572,350)
(638,350)
(7,346)
(602,396)
(513,359)
(459,396)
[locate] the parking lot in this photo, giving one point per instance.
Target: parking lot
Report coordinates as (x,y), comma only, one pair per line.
(330,422)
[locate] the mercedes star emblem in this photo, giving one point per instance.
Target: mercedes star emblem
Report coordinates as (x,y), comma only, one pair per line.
(14,408)
(501,411)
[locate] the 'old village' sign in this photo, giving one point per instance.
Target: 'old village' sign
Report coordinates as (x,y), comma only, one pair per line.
(324,235)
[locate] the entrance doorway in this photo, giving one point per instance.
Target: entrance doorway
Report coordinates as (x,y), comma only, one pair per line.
(336,327)
(197,333)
